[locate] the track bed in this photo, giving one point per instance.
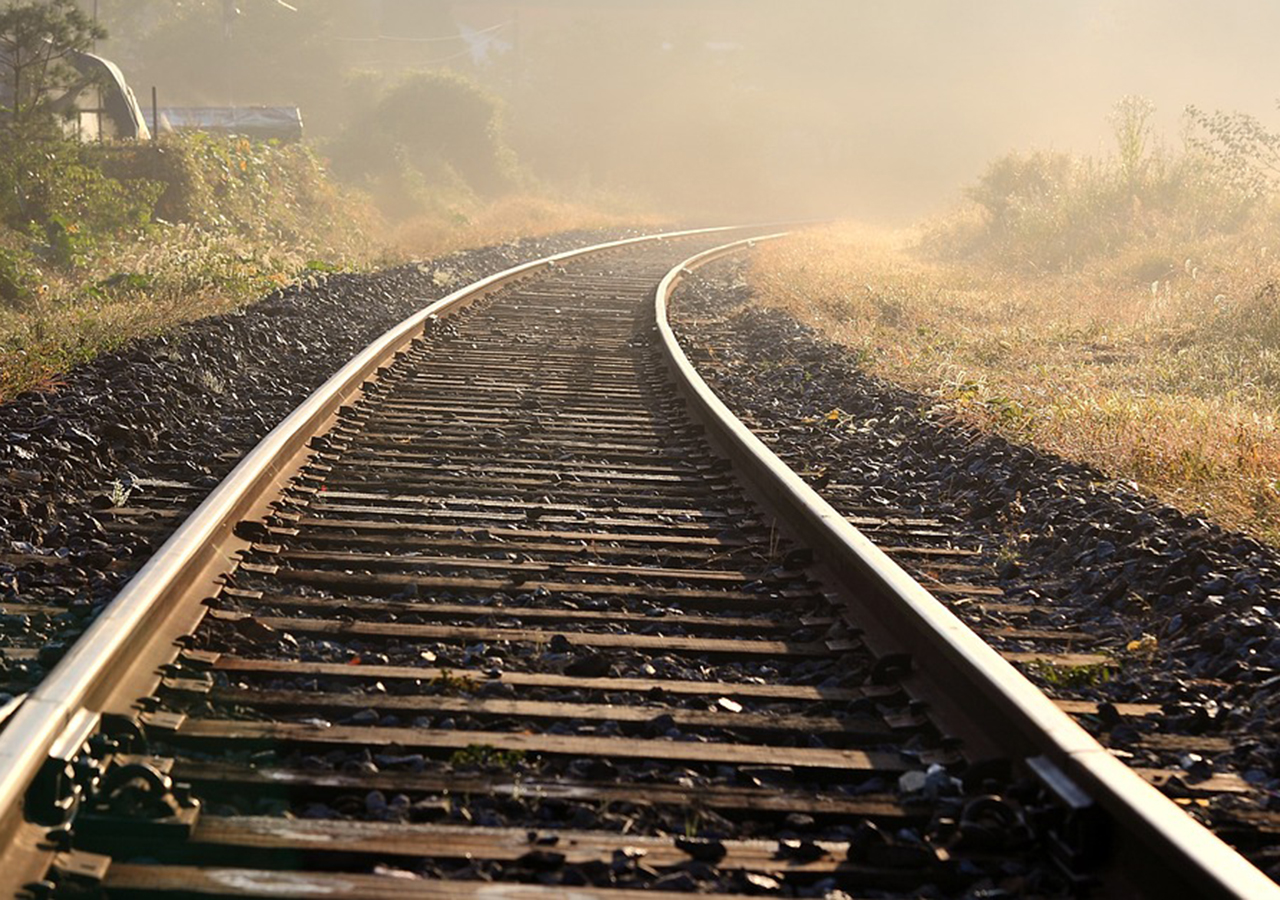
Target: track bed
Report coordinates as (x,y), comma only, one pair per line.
(517,627)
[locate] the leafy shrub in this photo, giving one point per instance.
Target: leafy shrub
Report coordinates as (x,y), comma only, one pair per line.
(72,200)
(253,187)
(15,278)
(56,193)
(1046,210)
(185,194)
(432,135)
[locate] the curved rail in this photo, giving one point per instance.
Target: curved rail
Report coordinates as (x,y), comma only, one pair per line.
(1179,856)
(84,676)
(1174,855)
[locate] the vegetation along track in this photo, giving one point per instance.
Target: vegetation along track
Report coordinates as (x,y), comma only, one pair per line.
(508,608)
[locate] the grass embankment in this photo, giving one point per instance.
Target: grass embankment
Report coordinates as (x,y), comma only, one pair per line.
(1152,354)
(127,241)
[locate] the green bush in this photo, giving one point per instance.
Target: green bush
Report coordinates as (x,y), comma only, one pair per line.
(433,134)
(185,195)
(1046,210)
(15,277)
(224,181)
(55,192)
(218,210)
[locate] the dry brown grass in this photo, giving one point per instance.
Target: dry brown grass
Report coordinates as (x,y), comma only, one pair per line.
(1160,365)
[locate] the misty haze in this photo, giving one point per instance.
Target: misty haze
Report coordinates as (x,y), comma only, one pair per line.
(726,106)
(806,448)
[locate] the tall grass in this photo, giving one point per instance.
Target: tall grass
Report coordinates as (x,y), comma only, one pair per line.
(1122,311)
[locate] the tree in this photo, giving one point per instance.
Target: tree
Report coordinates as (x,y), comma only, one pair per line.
(37,39)
(433,133)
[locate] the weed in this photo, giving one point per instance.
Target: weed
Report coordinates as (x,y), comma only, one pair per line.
(692,821)
(1009,552)
(449,683)
(122,282)
(211,383)
(1071,677)
(119,493)
(485,756)
(1008,413)
(1130,121)
(1143,648)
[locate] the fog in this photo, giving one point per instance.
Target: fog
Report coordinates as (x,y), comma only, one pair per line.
(880,109)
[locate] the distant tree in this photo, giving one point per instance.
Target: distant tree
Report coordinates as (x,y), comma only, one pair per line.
(432,132)
(442,116)
(36,39)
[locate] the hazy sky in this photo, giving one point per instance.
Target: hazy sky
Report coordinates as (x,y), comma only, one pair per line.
(880,108)
(939,88)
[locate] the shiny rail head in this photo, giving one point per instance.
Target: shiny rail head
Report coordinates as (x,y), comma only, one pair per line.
(1183,856)
(140,608)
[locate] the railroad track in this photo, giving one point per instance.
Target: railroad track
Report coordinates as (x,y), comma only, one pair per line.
(509,608)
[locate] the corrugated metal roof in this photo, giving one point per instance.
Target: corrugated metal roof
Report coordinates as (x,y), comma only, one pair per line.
(283,122)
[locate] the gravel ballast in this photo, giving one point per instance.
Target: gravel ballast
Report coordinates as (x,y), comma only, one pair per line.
(164,419)
(1185,609)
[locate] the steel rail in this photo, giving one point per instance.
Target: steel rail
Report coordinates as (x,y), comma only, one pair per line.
(92,668)
(1170,853)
